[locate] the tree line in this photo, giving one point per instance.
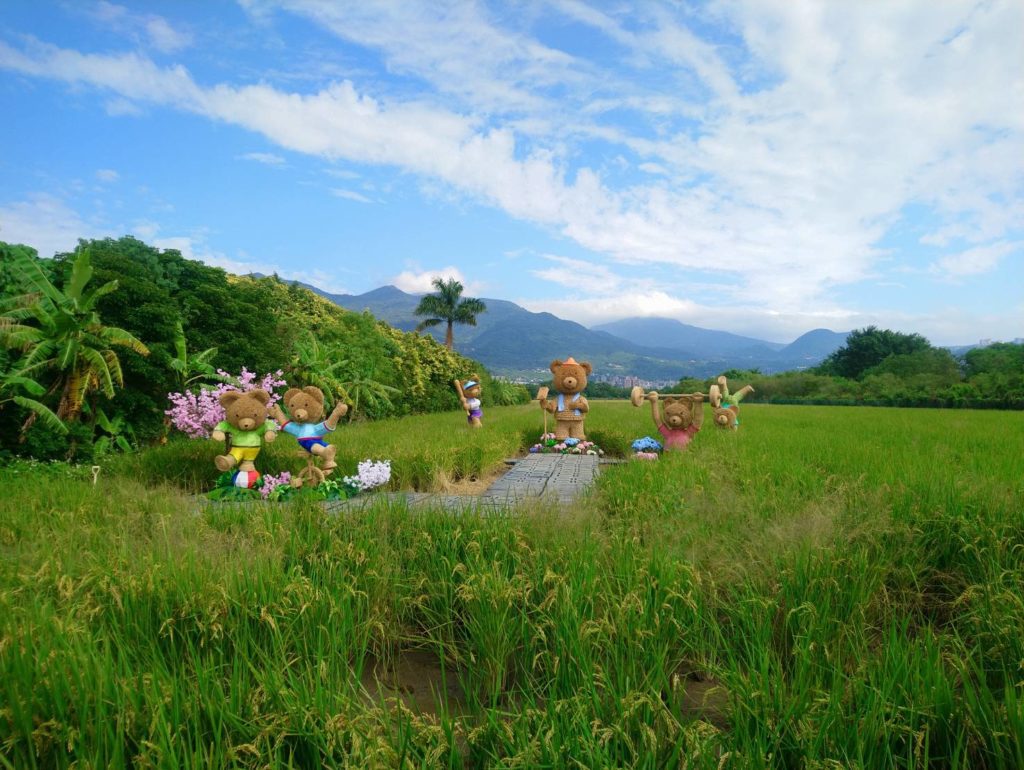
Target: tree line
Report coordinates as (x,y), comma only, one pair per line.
(881,367)
(92,342)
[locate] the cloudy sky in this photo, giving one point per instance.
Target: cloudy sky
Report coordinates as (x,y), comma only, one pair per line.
(760,166)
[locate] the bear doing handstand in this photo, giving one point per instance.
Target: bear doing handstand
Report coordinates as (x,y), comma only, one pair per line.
(306,407)
(726,406)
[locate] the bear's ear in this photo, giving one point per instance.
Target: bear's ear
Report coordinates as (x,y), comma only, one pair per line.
(555,364)
(669,400)
(315,392)
(587,367)
(290,394)
(227,399)
(260,395)
(474,377)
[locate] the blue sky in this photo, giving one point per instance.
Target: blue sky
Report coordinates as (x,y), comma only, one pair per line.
(764,167)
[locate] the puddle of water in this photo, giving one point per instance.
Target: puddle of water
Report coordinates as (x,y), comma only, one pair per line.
(419,680)
(424,685)
(703,699)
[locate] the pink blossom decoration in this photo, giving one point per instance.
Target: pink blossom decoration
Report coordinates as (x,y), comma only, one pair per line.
(196,413)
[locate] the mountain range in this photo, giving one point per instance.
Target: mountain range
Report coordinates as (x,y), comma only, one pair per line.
(517,343)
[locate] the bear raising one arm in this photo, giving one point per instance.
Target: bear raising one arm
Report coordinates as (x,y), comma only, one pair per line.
(306,407)
(247,422)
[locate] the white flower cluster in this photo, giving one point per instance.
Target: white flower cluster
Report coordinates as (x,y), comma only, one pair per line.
(369,475)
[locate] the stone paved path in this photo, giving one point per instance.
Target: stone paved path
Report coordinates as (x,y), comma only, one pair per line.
(562,477)
(559,478)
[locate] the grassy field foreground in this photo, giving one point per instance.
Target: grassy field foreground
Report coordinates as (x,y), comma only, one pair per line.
(828,588)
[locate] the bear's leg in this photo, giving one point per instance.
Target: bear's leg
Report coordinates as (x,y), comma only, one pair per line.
(224,462)
(576,430)
(326,453)
(246,465)
(561,430)
(475,422)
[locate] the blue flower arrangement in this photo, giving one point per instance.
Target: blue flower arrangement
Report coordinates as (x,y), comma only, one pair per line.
(646,444)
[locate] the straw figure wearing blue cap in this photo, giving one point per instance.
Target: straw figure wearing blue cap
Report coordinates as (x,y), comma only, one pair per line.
(469,395)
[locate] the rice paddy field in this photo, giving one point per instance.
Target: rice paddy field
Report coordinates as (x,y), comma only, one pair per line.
(826,588)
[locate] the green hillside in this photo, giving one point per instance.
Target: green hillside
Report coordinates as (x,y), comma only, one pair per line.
(262,324)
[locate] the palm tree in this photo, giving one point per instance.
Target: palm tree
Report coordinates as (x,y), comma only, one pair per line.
(445,306)
(67,336)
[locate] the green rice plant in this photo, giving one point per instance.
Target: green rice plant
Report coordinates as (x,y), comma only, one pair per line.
(823,588)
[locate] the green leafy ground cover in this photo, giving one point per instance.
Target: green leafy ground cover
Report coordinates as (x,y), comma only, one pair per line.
(826,588)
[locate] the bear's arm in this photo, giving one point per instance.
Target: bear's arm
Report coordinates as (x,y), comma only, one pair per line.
(582,404)
(656,413)
(268,430)
(340,410)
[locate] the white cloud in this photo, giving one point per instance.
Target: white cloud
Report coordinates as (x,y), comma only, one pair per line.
(780,158)
(107,175)
(341,173)
(195,247)
(350,195)
(266,158)
(981,259)
(46,223)
(421,282)
(164,37)
(149,28)
(146,229)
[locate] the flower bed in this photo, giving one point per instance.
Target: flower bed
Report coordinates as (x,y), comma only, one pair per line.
(646,448)
(235,486)
(548,444)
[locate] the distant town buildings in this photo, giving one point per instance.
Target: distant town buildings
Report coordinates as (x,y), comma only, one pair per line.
(629,381)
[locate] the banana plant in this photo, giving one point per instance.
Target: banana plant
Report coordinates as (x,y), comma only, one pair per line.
(117,433)
(12,383)
(191,368)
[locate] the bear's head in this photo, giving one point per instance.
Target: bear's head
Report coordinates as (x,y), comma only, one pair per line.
(471,387)
(570,377)
(245,411)
(679,411)
(305,405)
(725,417)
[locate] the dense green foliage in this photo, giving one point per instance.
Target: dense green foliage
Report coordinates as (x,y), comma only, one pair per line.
(893,369)
(191,318)
(806,593)
(867,348)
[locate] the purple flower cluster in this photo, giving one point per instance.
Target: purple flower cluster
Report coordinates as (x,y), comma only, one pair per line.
(196,413)
(369,475)
(569,446)
(270,483)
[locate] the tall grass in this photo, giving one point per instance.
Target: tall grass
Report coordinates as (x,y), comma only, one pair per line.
(825,588)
